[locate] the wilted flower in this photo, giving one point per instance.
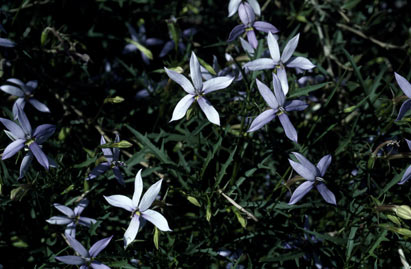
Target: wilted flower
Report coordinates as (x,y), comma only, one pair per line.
(406,89)
(247,17)
(314,176)
(25,94)
(278,107)
(170,45)
(112,157)
(24,137)
(197,92)
(86,258)
(234,5)
(72,217)
(139,208)
(407,174)
(141,39)
(279,62)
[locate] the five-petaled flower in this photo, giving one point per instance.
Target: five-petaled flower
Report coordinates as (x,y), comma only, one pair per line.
(86,258)
(234,5)
(197,90)
(24,137)
(24,93)
(278,107)
(314,176)
(247,17)
(112,157)
(278,62)
(72,217)
(139,208)
(406,89)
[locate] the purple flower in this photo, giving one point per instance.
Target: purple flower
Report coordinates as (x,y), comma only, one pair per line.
(72,217)
(139,208)
(278,107)
(279,62)
(25,94)
(234,5)
(247,17)
(314,176)
(112,157)
(197,90)
(170,45)
(86,258)
(24,137)
(407,174)
(406,89)
(140,38)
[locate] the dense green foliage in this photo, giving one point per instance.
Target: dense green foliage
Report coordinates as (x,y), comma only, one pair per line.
(74,49)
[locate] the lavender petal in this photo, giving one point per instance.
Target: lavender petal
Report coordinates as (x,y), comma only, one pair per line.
(323,164)
(265,27)
(236,32)
(13,148)
(80,207)
(157,219)
(252,38)
(13,127)
(289,129)
(404,85)
(181,80)
(295,105)
(182,107)
(120,201)
(195,73)
(216,84)
(300,62)
(260,64)
(39,106)
(404,108)
(132,230)
(78,247)
(328,196)
(290,48)
(98,170)
(73,260)
(150,195)
(39,154)
(406,176)
(267,94)
(97,247)
(301,191)
(210,112)
(262,120)
(12,90)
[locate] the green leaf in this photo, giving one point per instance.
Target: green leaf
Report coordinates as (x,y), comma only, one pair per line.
(207,66)
(208,210)
(283,257)
(240,218)
(394,219)
(403,211)
(350,242)
(225,166)
(308,89)
(114,100)
(141,48)
(121,144)
(156,236)
(193,200)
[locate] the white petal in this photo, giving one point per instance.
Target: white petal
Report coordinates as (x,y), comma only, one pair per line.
(209,110)
(282,76)
(157,219)
(255,6)
(138,189)
(195,72)
(59,220)
(181,80)
(12,90)
(273,47)
(278,91)
(132,230)
(150,196)
(216,84)
(233,7)
(182,106)
(267,94)
(290,48)
(64,209)
(262,120)
(300,62)
(120,201)
(260,64)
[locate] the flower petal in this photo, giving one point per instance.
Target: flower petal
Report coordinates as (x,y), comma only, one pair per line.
(195,73)
(295,105)
(157,219)
(39,105)
(233,7)
(302,171)
(181,80)
(81,206)
(132,230)
(120,201)
(150,196)
(300,62)
(247,46)
(182,107)
(86,221)
(59,220)
(24,121)
(290,48)
(216,84)
(267,94)
(98,265)
(6,43)
(71,229)
(406,176)
(43,132)
(404,108)
(260,64)
(20,102)
(404,84)
(301,191)
(408,143)
(328,196)
(154,41)
(252,38)
(116,151)
(167,48)
(209,110)
(306,163)
(138,189)
(97,247)
(118,175)
(13,148)
(107,152)
(73,260)
(13,127)
(65,210)
(262,120)
(282,76)
(323,164)
(12,90)
(17,82)
(98,170)
(78,247)
(236,32)
(288,127)
(246,14)
(273,47)
(279,94)
(25,164)
(39,154)
(265,27)
(255,6)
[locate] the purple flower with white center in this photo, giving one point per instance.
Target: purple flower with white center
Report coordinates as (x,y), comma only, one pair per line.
(86,258)
(407,174)
(139,208)
(25,94)
(234,5)
(278,62)
(197,90)
(247,17)
(112,157)
(314,176)
(142,39)
(24,137)
(278,107)
(406,89)
(170,45)
(72,217)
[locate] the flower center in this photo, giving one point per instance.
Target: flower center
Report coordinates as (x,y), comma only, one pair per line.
(280,111)
(29,141)
(249,29)
(320,179)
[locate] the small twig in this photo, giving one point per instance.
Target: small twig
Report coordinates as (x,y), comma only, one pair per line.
(239,207)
